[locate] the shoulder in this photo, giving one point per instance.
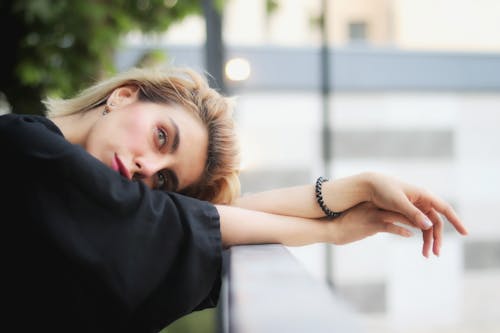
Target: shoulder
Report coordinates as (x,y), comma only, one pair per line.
(14,121)
(31,136)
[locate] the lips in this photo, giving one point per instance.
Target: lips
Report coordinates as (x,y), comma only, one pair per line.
(118,166)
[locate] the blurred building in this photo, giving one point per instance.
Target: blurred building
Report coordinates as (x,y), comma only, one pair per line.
(450,25)
(415,93)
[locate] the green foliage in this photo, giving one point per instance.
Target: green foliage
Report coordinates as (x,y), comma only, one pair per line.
(57,47)
(271,6)
(152,58)
(204,321)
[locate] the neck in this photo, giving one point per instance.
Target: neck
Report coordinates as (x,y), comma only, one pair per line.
(76,126)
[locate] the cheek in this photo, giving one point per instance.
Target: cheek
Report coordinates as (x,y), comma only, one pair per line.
(100,140)
(117,134)
(134,132)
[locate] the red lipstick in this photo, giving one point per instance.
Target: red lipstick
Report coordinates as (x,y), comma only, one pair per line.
(118,166)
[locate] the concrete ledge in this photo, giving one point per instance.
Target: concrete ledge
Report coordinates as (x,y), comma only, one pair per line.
(267,290)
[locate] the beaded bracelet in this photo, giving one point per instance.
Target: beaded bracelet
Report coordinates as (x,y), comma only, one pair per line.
(319,198)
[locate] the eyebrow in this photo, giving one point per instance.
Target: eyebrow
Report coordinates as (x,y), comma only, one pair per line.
(177,139)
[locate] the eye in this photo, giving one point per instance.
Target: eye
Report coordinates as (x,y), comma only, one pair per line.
(162,137)
(166,181)
(161,181)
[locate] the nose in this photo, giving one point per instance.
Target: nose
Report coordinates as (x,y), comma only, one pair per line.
(146,167)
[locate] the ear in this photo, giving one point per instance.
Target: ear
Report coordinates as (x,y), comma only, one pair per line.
(123,95)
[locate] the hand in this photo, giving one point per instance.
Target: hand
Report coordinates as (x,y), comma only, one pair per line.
(364,220)
(419,206)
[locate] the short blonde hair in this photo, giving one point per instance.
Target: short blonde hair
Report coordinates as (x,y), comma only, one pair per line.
(185,87)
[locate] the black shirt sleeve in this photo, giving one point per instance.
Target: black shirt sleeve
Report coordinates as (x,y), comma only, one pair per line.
(115,253)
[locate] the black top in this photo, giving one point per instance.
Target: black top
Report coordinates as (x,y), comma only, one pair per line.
(86,250)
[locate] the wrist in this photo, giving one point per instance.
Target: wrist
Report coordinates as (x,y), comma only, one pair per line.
(343,193)
(332,230)
(366,183)
(321,201)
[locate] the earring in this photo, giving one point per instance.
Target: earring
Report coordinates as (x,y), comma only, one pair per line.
(106,110)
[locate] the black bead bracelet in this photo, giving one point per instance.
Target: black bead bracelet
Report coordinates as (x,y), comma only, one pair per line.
(319,198)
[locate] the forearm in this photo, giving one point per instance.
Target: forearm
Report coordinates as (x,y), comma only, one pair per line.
(300,201)
(242,226)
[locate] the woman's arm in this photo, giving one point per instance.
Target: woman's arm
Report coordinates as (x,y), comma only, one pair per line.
(418,205)
(300,201)
(242,226)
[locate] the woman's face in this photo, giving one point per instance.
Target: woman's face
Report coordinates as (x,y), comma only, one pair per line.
(163,145)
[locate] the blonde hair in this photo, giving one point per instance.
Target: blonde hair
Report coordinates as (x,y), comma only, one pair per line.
(182,86)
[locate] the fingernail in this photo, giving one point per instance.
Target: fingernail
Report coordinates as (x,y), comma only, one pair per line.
(427,222)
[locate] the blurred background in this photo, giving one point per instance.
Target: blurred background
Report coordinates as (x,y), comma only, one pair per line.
(405,87)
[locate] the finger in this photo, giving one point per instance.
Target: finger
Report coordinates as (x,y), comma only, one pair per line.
(437,231)
(395,229)
(419,219)
(393,217)
(389,220)
(450,214)
(427,237)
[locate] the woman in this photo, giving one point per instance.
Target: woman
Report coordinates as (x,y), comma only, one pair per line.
(119,202)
